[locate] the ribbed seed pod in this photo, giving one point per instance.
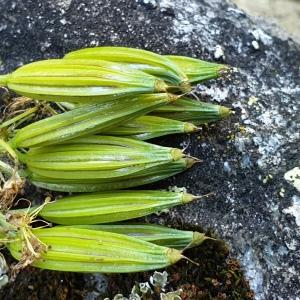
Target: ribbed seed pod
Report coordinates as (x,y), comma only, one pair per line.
(87,119)
(83,250)
(198,70)
(198,112)
(101,163)
(159,235)
(79,81)
(150,175)
(97,157)
(135,59)
(108,207)
(148,127)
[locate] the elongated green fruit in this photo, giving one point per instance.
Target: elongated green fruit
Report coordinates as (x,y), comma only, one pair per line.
(186,109)
(87,119)
(135,59)
(97,157)
(159,235)
(80,81)
(148,127)
(198,70)
(150,175)
(83,250)
(108,207)
(198,112)
(98,163)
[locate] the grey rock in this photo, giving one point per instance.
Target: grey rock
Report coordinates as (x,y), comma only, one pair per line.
(97,284)
(250,152)
(3,272)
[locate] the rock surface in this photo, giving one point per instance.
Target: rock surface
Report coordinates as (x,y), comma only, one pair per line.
(283,12)
(246,157)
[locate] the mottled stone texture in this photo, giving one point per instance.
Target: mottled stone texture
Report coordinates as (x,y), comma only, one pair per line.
(244,158)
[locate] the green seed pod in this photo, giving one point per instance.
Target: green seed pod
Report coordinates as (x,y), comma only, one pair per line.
(150,175)
(97,163)
(159,235)
(198,112)
(149,127)
(114,206)
(198,70)
(135,59)
(79,81)
(97,158)
(83,250)
(87,119)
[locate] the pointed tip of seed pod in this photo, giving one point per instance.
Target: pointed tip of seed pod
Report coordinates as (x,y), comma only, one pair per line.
(198,239)
(190,197)
(185,87)
(191,261)
(172,97)
(203,196)
(190,161)
(196,160)
(224,70)
(224,111)
(174,255)
(186,198)
(4,79)
(190,127)
(177,154)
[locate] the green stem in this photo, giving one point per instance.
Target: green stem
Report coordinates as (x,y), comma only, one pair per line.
(5,146)
(19,117)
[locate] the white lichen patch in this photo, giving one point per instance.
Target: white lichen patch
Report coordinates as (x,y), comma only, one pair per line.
(227,167)
(183,25)
(266,133)
(255,45)
(219,52)
(268,148)
(269,126)
(292,245)
(272,118)
(260,35)
(244,113)
(63,21)
(171,295)
(253,272)
(165,4)
(252,100)
(214,92)
(282,192)
(64,4)
(267,178)
(152,2)
(293,177)
(189,18)
(177,189)
(294,209)
(159,279)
